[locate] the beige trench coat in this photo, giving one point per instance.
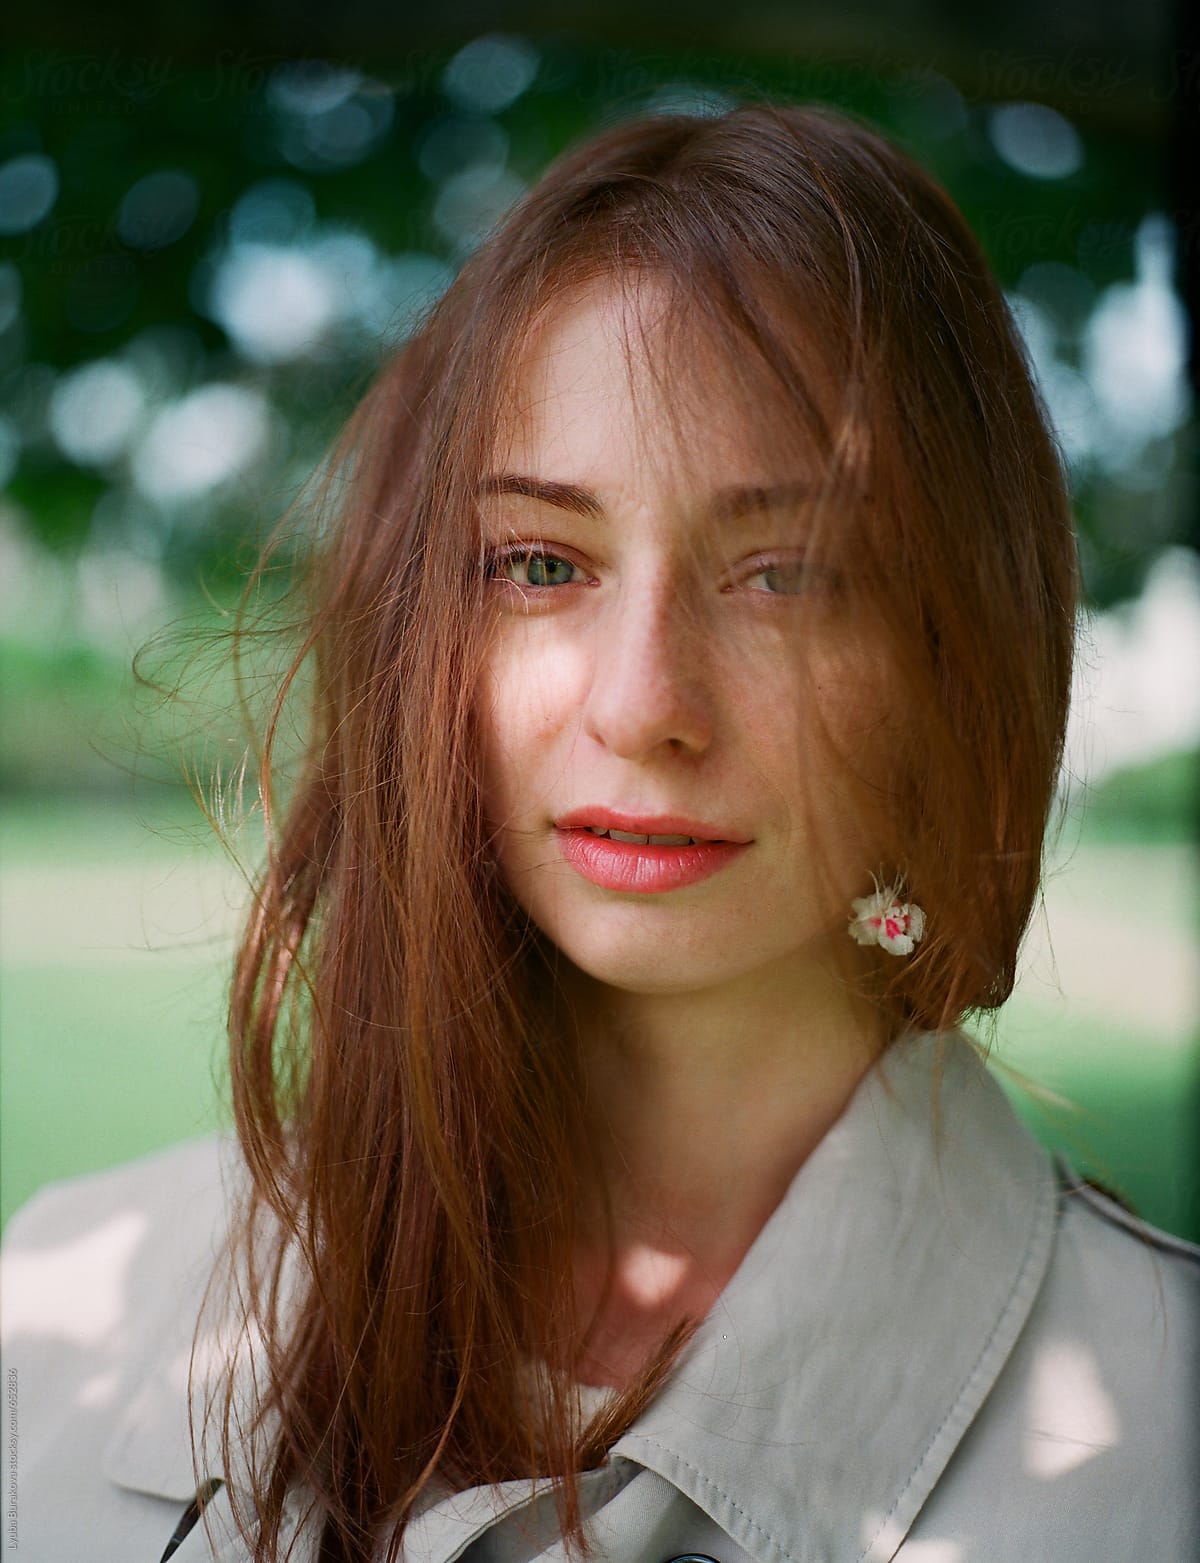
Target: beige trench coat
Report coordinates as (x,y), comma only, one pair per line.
(986,1363)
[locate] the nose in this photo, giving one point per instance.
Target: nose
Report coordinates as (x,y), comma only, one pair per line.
(649,677)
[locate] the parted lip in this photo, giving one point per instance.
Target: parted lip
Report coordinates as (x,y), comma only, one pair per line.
(601,818)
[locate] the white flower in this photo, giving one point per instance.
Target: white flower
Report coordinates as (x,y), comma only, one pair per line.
(883,919)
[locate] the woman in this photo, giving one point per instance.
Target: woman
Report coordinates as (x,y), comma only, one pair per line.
(640,1197)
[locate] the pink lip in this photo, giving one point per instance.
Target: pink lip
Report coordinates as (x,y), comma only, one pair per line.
(642,869)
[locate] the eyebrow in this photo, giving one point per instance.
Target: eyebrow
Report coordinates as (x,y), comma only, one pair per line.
(726,504)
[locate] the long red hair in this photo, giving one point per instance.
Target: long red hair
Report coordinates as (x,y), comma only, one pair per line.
(408,1113)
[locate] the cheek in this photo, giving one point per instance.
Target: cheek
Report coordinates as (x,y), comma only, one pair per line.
(856,703)
(859,708)
(523,704)
(827,735)
(836,696)
(500,741)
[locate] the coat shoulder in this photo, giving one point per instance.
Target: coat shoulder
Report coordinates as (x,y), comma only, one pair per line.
(1098,1397)
(149,1185)
(1127,1285)
(1099,1202)
(102,1276)
(106,1257)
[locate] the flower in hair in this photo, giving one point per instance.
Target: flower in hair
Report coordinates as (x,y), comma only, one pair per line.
(883,918)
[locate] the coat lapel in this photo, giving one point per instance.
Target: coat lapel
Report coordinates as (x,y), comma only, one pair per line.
(823,1396)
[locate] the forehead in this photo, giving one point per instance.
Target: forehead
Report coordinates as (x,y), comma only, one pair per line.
(616,373)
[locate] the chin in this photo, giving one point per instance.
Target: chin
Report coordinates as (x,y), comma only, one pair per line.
(637,959)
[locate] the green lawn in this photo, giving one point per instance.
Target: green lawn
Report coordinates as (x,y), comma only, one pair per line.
(1127,1107)
(115,943)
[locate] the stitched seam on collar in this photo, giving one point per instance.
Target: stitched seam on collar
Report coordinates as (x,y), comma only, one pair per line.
(1047,1196)
(706,1481)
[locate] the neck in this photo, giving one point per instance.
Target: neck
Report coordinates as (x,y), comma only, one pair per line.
(702,1107)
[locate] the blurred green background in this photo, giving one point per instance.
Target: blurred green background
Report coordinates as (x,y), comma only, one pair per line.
(204,251)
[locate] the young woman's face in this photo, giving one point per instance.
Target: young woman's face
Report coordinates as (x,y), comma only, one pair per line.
(649,631)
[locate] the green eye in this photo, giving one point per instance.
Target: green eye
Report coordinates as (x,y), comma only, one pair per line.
(791,578)
(540,565)
(784,579)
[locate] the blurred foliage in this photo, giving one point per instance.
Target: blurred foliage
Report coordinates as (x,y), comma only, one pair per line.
(1154,802)
(165,186)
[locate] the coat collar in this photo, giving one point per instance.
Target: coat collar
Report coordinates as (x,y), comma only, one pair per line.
(868,1321)
(821,1399)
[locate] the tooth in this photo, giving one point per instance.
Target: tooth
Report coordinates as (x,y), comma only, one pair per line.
(639,840)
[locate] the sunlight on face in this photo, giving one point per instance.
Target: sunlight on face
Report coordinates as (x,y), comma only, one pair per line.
(651,618)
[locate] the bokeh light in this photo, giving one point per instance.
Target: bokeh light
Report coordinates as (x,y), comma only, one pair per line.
(208,437)
(158,210)
(488,74)
(95,411)
(28,191)
(1036,140)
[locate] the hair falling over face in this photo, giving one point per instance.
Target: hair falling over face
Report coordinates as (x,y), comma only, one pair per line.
(405,1094)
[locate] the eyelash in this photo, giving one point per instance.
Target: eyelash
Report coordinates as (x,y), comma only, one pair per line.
(497,558)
